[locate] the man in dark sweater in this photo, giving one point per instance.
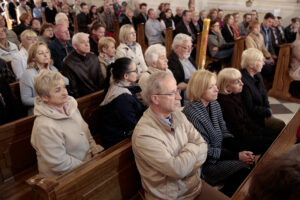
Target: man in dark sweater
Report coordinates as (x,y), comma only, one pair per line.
(83,19)
(82,68)
(61,46)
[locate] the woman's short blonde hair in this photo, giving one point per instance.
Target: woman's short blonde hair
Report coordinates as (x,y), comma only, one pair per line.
(45,80)
(250,57)
(227,76)
(32,52)
(27,33)
(124,33)
(104,42)
(198,84)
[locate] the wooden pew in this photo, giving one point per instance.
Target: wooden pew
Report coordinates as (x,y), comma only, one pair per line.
(44,18)
(169,40)
(286,138)
(117,31)
(110,175)
(15,89)
(282,79)
(198,46)
(239,47)
(141,36)
(18,158)
(75,22)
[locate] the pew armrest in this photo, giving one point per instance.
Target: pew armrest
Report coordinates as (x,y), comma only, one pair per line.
(39,182)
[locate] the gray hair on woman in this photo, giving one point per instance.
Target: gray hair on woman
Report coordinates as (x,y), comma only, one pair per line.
(153,52)
(179,38)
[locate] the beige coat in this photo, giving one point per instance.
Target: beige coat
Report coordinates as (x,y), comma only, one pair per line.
(103,66)
(257,41)
(168,158)
(295,60)
(61,141)
(124,51)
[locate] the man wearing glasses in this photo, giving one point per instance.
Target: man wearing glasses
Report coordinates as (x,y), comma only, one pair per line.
(168,150)
(180,62)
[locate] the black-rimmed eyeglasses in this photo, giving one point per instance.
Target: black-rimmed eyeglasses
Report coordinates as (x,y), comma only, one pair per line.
(136,71)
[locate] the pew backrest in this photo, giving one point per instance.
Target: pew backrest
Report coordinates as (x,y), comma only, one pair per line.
(239,47)
(169,40)
(110,175)
(75,22)
(282,79)
(285,139)
(198,47)
(141,36)
(117,31)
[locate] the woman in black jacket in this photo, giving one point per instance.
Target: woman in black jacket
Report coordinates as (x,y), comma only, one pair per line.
(235,114)
(227,31)
(121,109)
(254,93)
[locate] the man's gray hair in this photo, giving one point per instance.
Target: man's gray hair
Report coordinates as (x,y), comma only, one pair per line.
(75,39)
(154,85)
(153,52)
(179,38)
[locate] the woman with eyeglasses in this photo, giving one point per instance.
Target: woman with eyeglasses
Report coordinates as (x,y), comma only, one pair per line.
(228,162)
(130,48)
(121,109)
(38,59)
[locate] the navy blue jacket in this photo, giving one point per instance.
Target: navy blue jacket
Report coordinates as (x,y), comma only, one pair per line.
(119,117)
(59,52)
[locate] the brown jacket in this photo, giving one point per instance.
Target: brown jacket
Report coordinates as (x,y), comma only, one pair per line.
(257,41)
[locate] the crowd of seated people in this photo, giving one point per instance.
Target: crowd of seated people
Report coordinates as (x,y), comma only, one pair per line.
(226,120)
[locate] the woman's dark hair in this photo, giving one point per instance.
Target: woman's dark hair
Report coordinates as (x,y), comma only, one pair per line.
(226,18)
(93,6)
(45,26)
(37,19)
(213,22)
(117,70)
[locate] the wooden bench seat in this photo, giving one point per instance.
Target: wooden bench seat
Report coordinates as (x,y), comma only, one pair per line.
(285,139)
(18,158)
(282,79)
(239,47)
(110,175)
(141,37)
(169,40)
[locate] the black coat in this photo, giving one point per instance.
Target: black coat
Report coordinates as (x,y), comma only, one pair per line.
(181,28)
(50,15)
(93,46)
(177,19)
(176,67)
(255,97)
(20,28)
(119,117)
(139,19)
(83,20)
(126,20)
(236,116)
(228,37)
(289,35)
(84,74)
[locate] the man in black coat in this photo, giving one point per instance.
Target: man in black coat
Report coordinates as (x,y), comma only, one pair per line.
(83,19)
(142,16)
(184,26)
(82,68)
(61,46)
(180,61)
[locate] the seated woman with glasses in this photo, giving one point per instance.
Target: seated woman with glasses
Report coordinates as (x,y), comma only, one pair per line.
(228,161)
(216,45)
(130,48)
(156,58)
(235,114)
(121,109)
(38,59)
(60,136)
